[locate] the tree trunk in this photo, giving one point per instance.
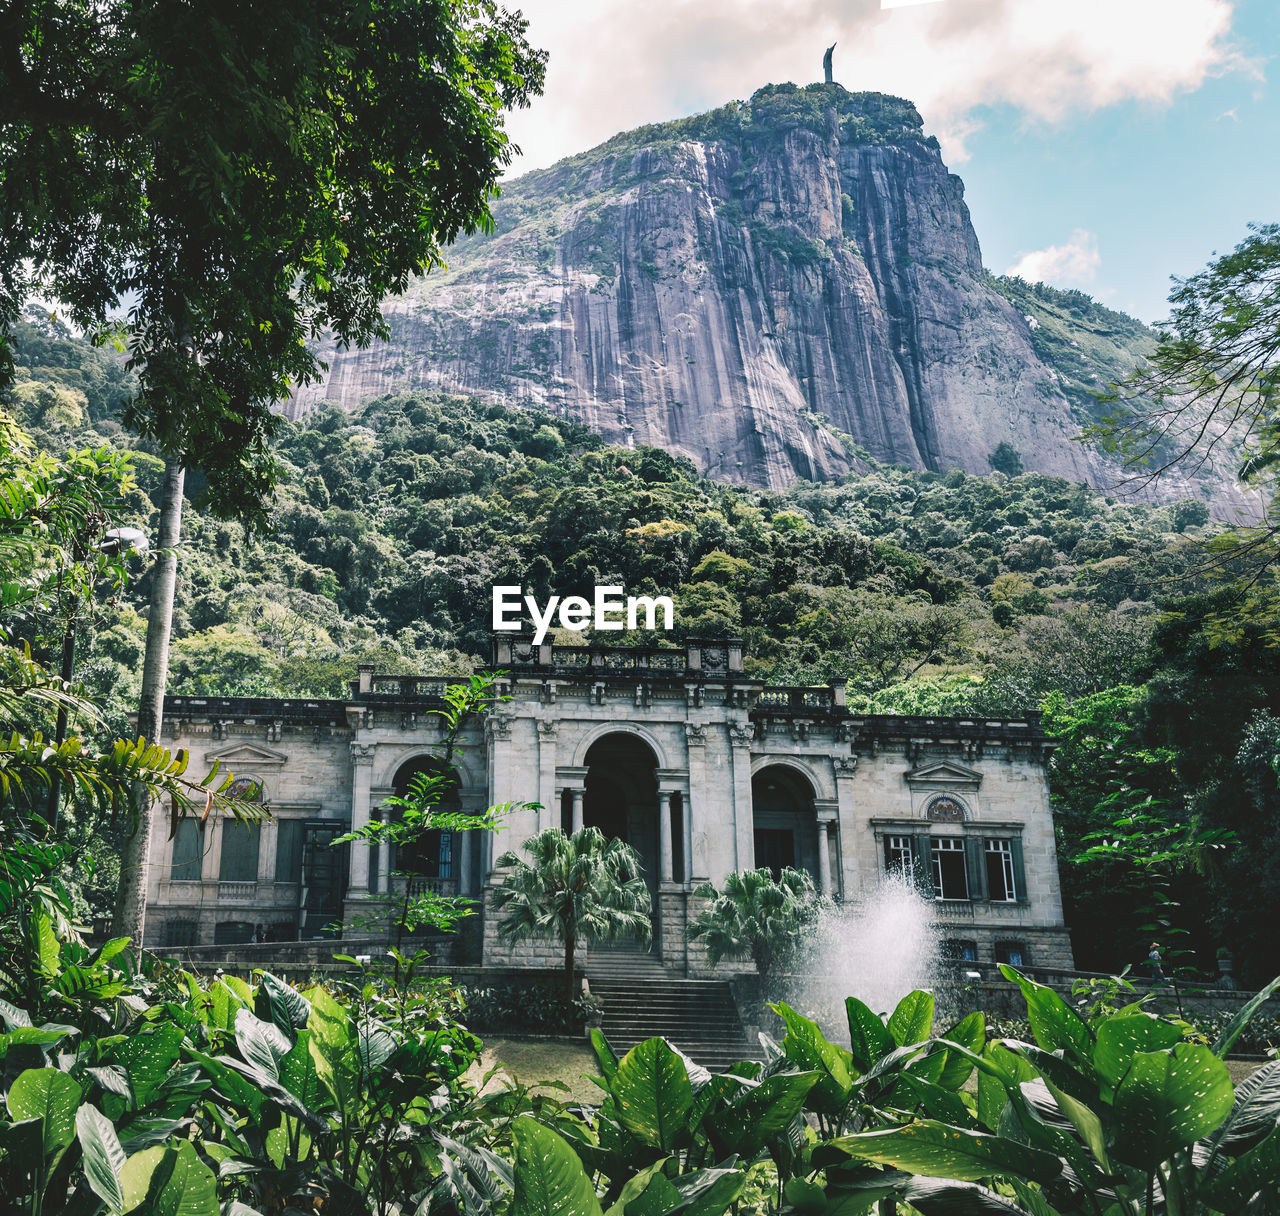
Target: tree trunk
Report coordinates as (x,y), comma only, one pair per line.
(131,894)
(569,945)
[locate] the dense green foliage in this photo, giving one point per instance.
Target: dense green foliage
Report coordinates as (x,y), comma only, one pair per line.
(66,785)
(159,1093)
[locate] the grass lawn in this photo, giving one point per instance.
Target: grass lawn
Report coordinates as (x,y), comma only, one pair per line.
(534,1063)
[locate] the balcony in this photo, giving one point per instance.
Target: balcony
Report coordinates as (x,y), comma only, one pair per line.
(237,890)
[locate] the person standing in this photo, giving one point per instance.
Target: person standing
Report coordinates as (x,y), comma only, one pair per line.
(1153,957)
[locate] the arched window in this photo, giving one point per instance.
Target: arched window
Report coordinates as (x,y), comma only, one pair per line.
(945,809)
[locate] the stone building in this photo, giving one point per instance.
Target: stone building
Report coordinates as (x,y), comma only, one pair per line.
(702,769)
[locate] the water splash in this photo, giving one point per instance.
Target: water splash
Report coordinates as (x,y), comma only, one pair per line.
(878,951)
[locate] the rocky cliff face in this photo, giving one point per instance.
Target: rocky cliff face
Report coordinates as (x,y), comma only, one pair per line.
(772,289)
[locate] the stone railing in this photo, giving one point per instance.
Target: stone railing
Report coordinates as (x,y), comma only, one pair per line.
(252,709)
(823,700)
(419,688)
(697,659)
(430,886)
(237,890)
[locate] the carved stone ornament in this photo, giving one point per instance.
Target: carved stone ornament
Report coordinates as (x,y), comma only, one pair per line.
(695,736)
(740,734)
(363,753)
(497,726)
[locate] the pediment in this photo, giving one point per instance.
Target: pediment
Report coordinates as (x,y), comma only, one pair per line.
(944,775)
(246,755)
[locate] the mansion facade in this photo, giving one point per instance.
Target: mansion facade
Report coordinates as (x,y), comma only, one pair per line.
(676,750)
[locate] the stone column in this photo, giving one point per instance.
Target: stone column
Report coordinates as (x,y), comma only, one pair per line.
(547,791)
(826,817)
(384,861)
(740,736)
(268,841)
(571,777)
(846,768)
(686,825)
(361,782)
(664,837)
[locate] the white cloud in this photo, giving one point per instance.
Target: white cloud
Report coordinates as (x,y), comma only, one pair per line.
(1073,264)
(619,63)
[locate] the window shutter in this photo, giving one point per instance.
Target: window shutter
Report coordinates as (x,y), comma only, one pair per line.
(1019,872)
(923,865)
(976,864)
(888,857)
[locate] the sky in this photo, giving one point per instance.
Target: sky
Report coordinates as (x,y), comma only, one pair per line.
(1105,145)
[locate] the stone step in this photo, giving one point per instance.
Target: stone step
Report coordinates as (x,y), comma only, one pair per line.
(698,1016)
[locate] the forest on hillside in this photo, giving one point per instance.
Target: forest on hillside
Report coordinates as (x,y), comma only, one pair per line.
(927,592)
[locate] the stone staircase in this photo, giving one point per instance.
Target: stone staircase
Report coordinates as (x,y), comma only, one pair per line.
(642,1000)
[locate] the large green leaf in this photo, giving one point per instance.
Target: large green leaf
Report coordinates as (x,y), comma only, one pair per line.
(1236,1026)
(806,1046)
(549,1177)
(970,1033)
(1255,1172)
(761,1113)
(940,1150)
(1122,1036)
(147,1058)
(606,1057)
(653,1094)
(103,1157)
(1086,1121)
(333,1045)
(912,1020)
(868,1036)
(169,1181)
(1168,1100)
(1053,1022)
(912,1093)
(709,1192)
(1257,1107)
(298,1073)
(929,1196)
(238,1090)
(50,1096)
(263,1044)
(648,1193)
(281,1003)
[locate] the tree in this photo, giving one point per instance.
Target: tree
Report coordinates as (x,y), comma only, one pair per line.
(249,178)
(578,888)
(50,512)
(1006,459)
(756,916)
(1211,389)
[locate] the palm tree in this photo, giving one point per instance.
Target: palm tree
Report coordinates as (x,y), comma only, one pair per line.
(576,888)
(756,916)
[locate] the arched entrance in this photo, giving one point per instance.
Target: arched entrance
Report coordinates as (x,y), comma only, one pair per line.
(447,859)
(621,796)
(784,820)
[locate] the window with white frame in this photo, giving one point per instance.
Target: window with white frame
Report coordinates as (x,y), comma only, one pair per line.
(1001,885)
(898,854)
(949,878)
